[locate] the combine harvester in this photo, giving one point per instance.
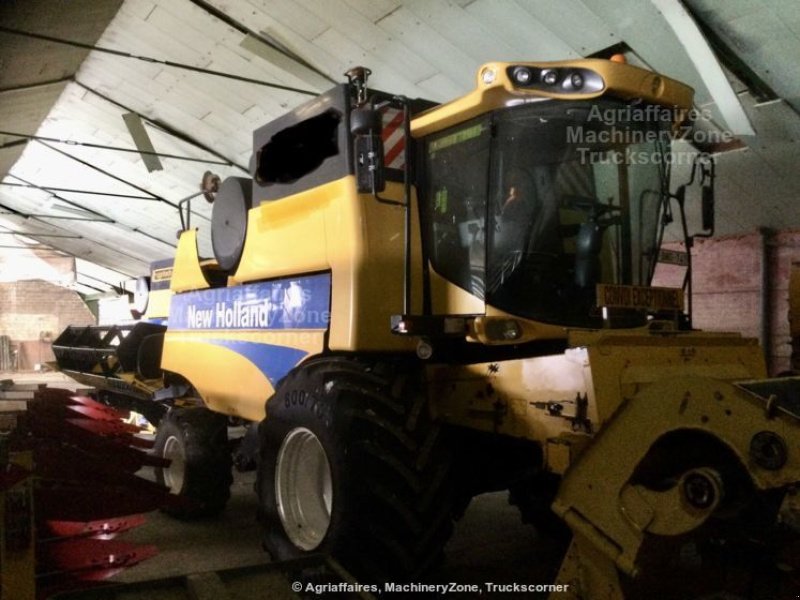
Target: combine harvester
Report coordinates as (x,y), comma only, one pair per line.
(413,304)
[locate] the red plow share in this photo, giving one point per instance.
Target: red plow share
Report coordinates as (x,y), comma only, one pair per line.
(69,486)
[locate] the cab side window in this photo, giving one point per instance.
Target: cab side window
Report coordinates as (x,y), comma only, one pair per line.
(457,181)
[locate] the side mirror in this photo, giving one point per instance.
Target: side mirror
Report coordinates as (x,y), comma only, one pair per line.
(365,126)
(703,169)
(365,121)
(707,208)
(587,249)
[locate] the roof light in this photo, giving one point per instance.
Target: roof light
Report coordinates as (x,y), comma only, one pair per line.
(550,77)
(488,75)
(522,75)
(555,80)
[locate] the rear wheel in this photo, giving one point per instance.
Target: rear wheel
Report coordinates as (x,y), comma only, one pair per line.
(353,466)
(195,441)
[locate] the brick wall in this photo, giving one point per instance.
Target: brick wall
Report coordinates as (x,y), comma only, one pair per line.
(727,284)
(728,287)
(31,309)
(784,250)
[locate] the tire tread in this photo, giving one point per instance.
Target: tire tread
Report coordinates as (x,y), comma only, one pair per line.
(399,461)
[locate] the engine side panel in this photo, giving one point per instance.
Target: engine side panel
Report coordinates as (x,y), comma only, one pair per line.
(235,344)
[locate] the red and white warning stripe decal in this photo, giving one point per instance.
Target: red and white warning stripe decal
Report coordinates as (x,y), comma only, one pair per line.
(394,142)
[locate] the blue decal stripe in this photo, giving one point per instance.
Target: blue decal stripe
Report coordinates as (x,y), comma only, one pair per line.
(274,361)
(289,303)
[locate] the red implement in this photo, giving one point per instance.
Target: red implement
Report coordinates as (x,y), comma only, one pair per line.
(85,489)
(104,529)
(87,555)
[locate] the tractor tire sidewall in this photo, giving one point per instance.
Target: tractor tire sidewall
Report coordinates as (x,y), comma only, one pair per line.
(203,438)
(316,413)
(366,528)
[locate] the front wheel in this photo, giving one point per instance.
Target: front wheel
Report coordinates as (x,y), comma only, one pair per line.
(352,465)
(195,441)
(303,488)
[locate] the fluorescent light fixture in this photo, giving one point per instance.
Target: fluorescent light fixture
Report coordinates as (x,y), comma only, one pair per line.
(285,63)
(72,210)
(142,141)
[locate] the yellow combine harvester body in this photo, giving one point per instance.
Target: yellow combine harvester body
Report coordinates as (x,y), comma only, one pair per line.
(353,241)
(332,228)
(417,302)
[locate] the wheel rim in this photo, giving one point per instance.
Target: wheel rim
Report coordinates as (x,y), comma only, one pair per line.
(175,472)
(303,488)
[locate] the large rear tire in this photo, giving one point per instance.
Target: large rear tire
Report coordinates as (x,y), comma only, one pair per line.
(195,440)
(353,466)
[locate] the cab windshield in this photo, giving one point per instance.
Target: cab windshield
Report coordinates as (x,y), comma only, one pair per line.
(531,207)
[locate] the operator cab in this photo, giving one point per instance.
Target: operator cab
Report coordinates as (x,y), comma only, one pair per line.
(530,207)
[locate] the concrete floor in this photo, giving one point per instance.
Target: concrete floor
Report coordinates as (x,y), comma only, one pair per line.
(490,544)
(50,378)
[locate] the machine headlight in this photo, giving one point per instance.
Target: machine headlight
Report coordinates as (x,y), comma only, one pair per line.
(555,79)
(550,76)
(522,75)
(502,330)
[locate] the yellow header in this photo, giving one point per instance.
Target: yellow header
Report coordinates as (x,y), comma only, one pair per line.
(501,84)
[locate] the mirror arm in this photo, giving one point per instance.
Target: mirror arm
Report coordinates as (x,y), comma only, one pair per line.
(708,173)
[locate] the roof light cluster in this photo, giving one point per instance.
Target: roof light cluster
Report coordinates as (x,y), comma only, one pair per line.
(569,80)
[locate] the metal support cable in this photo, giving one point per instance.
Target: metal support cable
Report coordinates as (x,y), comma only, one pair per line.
(41,138)
(167,63)
(102,218)
(91,287)
(12,144)
(49,248)
(228,20)
(115,177)
(65,200)
(95,242)
(56,217)
(49,188)
(103,281)
(14,212)
(99,170)
(35,234)
(151,236)
(111,221)
(163,126)
(33,86)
